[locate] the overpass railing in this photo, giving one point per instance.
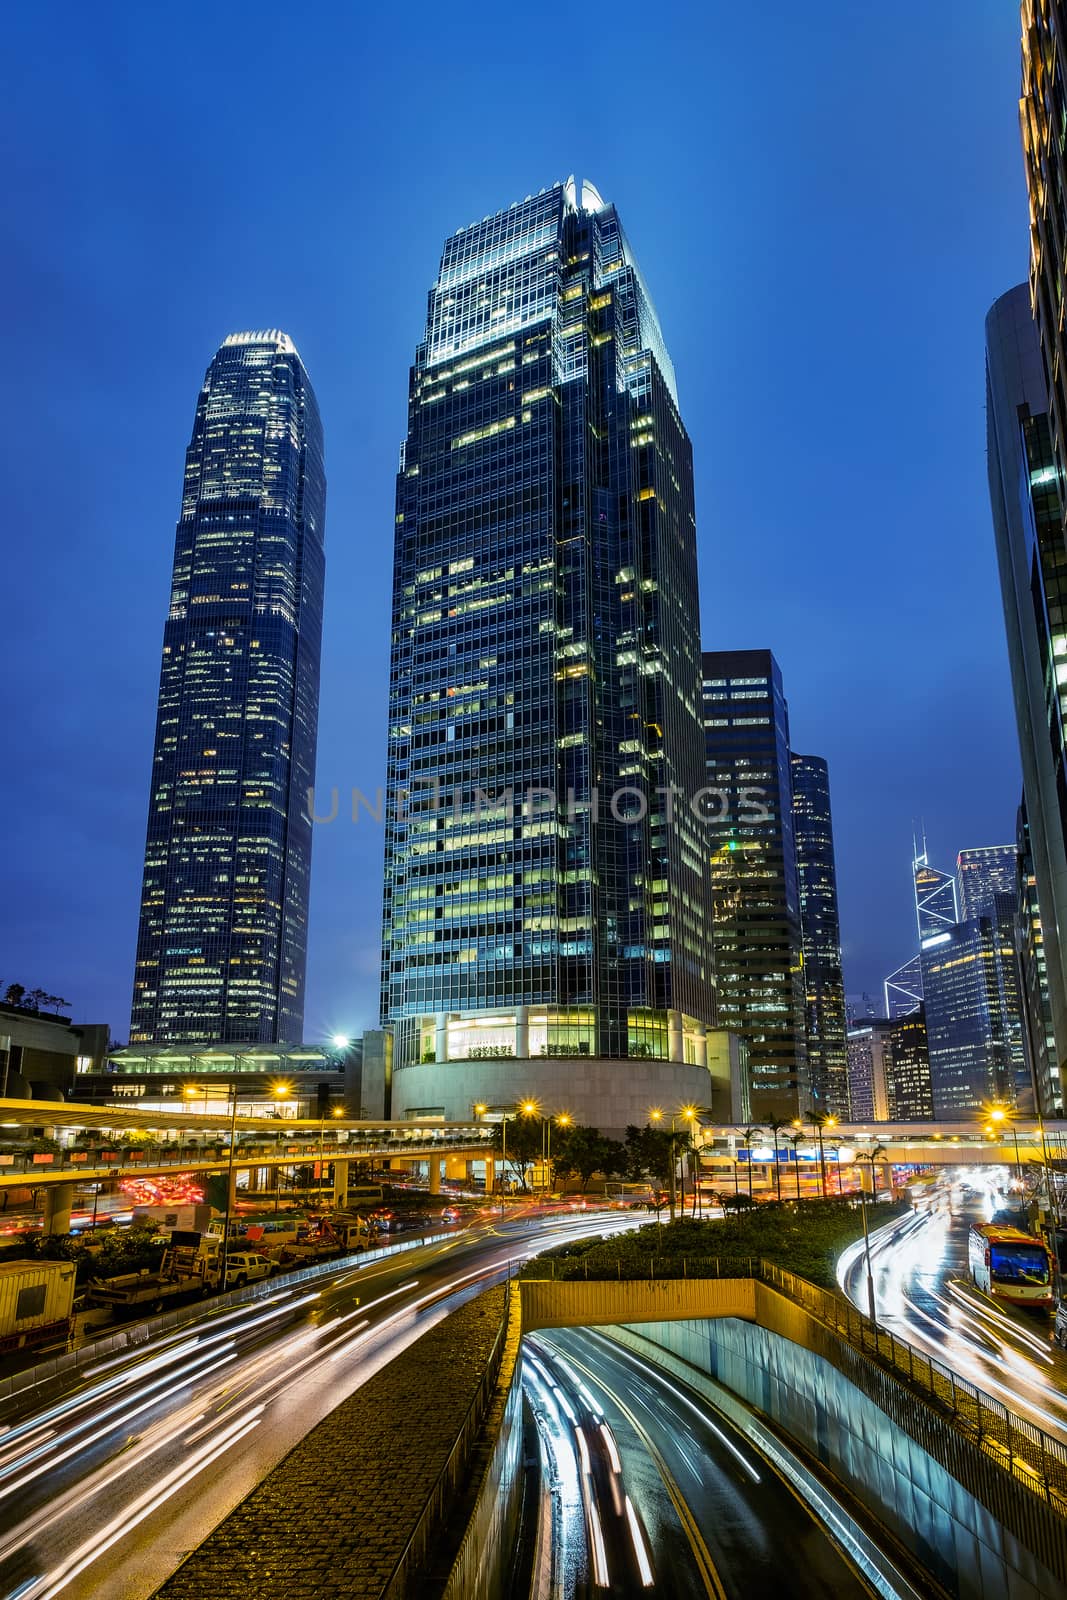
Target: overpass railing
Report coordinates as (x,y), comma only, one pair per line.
(296,1148)
(1032,1456)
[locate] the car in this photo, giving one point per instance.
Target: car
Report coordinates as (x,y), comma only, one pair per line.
(246,1266)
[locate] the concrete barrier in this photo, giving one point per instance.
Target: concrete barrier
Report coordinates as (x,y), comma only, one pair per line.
(483,1563)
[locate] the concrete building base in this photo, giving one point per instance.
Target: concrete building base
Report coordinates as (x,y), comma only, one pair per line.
(609,1095)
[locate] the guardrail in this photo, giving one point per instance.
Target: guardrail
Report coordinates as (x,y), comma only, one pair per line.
(19,1384)
(1032,1456)
(113,1161)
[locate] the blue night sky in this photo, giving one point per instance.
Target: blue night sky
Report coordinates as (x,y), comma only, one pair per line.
(824,203)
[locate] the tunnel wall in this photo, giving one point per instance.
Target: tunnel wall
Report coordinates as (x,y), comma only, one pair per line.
(955,1537)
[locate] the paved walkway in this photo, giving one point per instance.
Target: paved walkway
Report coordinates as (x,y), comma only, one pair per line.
(332,1519)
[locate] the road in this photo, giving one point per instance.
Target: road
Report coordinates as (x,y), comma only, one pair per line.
(655,1494)
(118,1478)
(923,1294)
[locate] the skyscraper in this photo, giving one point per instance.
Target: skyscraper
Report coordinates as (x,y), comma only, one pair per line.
(970,1061)
(982,874)
(1041,110)
(935,901)
(1032,561)
(824,984)
(757,929)
(223,931)
(904,989)
(544,873)
(910,1093)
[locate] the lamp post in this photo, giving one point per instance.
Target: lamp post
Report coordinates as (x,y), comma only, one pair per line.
(563,1120)
(656,1115)
(869,1156)
(999,1114)
(224,1263)
(819,1121)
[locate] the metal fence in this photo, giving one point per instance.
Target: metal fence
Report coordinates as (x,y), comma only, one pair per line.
(52,1372)
(1032,1456)
(659,1268)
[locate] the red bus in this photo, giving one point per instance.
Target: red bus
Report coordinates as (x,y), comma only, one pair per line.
(1010,1265)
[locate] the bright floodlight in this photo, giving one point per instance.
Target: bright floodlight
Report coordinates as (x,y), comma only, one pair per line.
(340,1041)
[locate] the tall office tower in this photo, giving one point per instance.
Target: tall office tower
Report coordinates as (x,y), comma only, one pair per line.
(1042,105)
(910,1092)
(968,1036)
(824,984)
(1039,1034)
(223,933)
(757,930)
(544,873)
(935,900)
(869,1069)
(889,1071)
(904,989)
(982,874)
(1032,560)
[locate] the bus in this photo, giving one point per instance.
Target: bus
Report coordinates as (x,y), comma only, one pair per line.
(1010,1265)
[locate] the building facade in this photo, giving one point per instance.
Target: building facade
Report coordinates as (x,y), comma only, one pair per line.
(759,957)
(824,984)
(869,1070)
(982,874)
(222,943)
(910,1092)
(970,1058)
(1032,563)
(545,887)
(904,989)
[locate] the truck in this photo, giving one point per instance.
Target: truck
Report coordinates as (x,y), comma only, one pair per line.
(186,1270)
(36,1303)
(335,1236)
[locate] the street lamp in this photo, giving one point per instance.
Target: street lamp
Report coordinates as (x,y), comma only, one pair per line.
(656,1115)
(869,1156)
(819,1121)
(563,1120)
(998,1115)
(224,1263)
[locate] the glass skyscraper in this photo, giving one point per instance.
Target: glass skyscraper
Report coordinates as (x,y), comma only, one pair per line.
(982,874)
(824,983)
(757,927)
(545,890)
(223,931)
(1032,562)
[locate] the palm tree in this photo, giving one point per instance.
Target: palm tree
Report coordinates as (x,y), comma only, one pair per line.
(796,1140)
(776,1126)
(871,1156)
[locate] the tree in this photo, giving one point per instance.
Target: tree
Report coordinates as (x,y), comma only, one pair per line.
(653,1152)
(521,1142)
(796,1140)
(583,1151)
(14,994)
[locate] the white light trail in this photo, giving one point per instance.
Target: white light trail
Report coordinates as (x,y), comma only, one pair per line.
(644,1565)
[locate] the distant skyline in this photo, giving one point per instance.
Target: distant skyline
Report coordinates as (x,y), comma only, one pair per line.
(823,240)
